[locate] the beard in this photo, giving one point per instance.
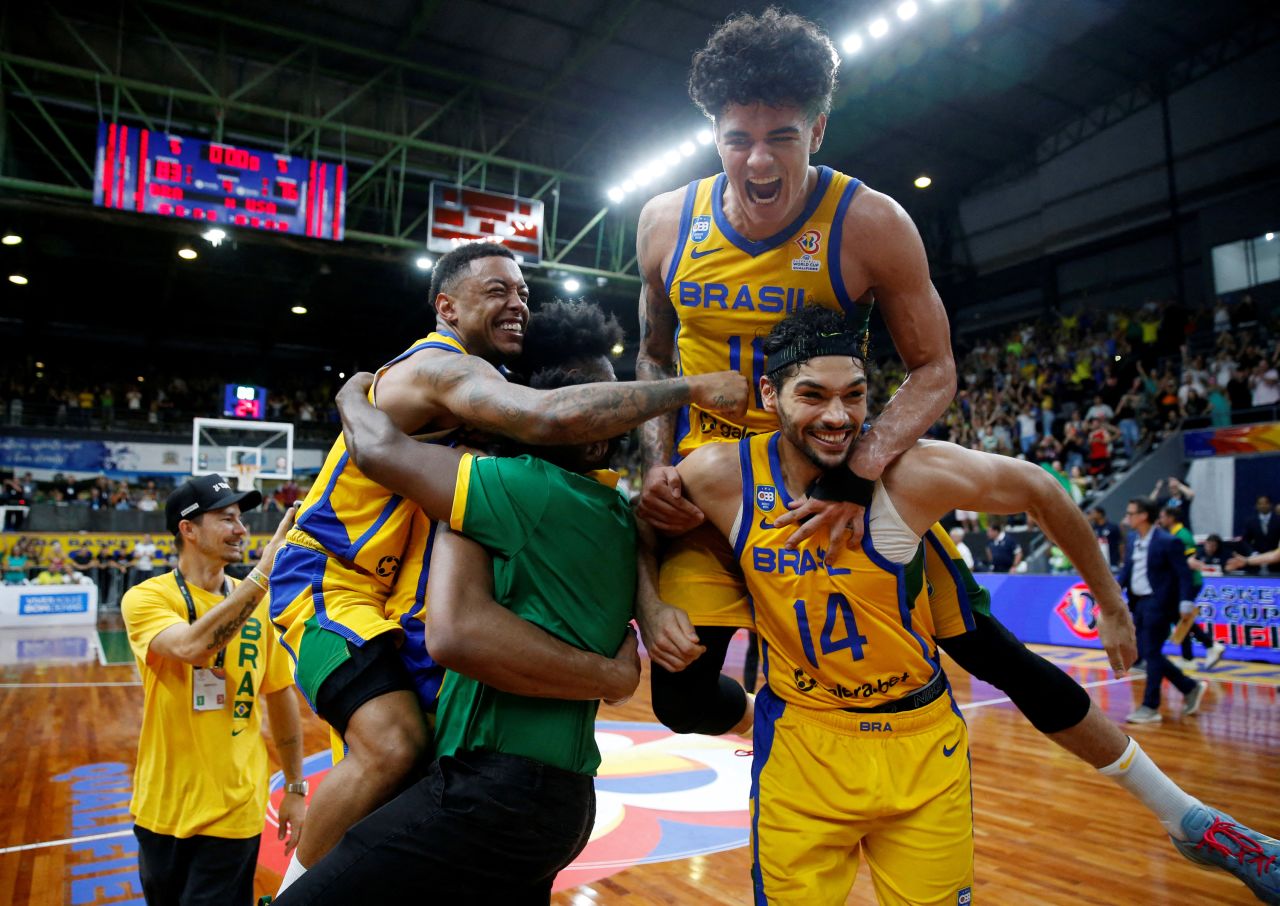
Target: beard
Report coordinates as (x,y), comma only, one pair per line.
(801,442)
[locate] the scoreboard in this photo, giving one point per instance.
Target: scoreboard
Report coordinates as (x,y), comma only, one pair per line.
(217,183)
(244,401)
(460,215)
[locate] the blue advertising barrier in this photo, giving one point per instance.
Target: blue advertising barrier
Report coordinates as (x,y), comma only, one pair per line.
(1243,613)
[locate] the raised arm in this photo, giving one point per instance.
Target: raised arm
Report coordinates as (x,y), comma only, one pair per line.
(474,391)
(471,633)
(935,477)
(197,643)
(662,503)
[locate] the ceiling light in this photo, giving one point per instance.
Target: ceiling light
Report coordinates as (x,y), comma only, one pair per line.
(617,350)
(423,263)
(571,285)
(342,375)
(39,364)
(616,194)
(705,137)
(907,10)
(1270,236)
(688,149)
(852,44)
(879,28)
(11,239)
(141,379)
(187,254)
(18,279)
(214,236)
(923,182)
(299,309)
(672,158)
(643,176)
(628,185)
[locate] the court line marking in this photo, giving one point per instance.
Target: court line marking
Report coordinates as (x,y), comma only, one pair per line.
(48,843)
(1005,699)
(67,685)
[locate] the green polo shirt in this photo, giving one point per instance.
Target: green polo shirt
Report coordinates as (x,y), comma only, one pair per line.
(563,548)
(1183,534)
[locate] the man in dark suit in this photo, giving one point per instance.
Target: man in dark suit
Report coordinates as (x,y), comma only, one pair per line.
(1262,531)
(1158,581)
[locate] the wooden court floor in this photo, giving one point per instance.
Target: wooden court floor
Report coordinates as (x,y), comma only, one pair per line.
(1049,830)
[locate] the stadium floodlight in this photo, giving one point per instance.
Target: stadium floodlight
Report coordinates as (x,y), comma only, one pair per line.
(688,149)
(214,236)
(628,185)
(923,181)
(11,239)
(299,309)
(423,263)
(1270,236)
(878,28)
(18,279)
(616,194)
(643,176)
(617,349)
(672,158)
(907,10)
(852,44)
(705,137)
(571,285)
(187,254)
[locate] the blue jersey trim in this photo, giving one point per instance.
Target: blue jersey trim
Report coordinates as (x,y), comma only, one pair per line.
(321,521)
(849,305)
(759,247)
(427,675)
(387,510)
(748,507)
(769,710)
(686,220)
(962,593)
(775,468)
(899,571)
(430,344)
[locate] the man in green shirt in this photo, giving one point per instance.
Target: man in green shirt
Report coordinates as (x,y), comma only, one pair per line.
(510,799)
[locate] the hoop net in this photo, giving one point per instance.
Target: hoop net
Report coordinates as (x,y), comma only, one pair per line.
(247,475)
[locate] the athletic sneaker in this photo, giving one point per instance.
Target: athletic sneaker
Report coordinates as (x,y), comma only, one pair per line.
(1191,704)
(1183,663)
(1213,655)
(1139,667)
(1144,715)
(1215,839)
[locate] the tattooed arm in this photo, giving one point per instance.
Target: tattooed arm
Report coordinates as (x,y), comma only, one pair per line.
(199,642)
(473,391)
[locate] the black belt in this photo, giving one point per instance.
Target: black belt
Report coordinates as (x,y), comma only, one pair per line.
(925,695)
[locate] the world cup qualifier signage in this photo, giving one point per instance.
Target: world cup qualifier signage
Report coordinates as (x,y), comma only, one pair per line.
(1241,612)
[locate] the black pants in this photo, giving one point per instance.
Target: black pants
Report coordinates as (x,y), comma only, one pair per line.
(1152,621)
(196,871)
(1198,634)
(480,827)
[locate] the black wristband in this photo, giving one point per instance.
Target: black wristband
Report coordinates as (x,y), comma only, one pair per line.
(842,485)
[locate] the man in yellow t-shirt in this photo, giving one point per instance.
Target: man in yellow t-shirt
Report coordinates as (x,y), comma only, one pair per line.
(207,653)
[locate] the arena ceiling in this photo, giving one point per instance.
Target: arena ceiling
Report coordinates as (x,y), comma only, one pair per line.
(558,100)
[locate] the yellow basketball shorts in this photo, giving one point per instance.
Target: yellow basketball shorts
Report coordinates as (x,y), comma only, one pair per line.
(828,786)
(699,575)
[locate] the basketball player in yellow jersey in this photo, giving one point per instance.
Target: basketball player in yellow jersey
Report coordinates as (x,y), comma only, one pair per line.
(339,602)
(858,744)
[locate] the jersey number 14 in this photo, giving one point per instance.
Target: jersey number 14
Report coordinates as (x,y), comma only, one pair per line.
(837,604)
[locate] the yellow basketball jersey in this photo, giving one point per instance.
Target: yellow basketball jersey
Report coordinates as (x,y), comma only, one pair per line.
(855,633)
(729,291)
(354,518)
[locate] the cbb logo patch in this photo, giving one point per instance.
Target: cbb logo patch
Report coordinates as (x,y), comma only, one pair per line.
(766,497)
(701,228)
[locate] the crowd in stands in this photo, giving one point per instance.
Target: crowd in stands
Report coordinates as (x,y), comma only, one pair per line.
(99,493)
(1085,391)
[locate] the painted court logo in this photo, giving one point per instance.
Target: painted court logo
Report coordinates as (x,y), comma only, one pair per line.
(766,497)
(1079,612)
(701,228)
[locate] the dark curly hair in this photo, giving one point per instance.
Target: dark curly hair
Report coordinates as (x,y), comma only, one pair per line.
(454,263)
(778,59)
(563,330)
(812,331)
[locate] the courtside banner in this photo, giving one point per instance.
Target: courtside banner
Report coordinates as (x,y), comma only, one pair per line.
(1241,612)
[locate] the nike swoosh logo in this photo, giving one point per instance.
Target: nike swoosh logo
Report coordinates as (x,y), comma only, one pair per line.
(947,753)
(238,732)
(702,253)
(765,524)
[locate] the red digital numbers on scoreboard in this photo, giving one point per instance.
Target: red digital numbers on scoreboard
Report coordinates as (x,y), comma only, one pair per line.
(248,409)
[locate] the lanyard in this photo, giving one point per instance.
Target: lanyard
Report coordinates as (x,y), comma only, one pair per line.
(191,609)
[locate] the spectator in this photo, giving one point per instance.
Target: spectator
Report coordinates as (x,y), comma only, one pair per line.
(957,538)
(144,554)
(1265,385)
(1003,553)
(1108,535)
(1178,500)
(1211,557)
(1099,411)
(16,562)
(1262,530)
(147,503)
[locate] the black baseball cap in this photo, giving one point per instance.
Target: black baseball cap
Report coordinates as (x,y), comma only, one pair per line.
(202,494)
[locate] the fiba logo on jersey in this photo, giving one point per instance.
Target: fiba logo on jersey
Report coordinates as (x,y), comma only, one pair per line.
(766,497)
(701,227)
(809,241)
(1079,612)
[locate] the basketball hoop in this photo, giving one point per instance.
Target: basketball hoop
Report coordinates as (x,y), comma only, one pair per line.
(246,475)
